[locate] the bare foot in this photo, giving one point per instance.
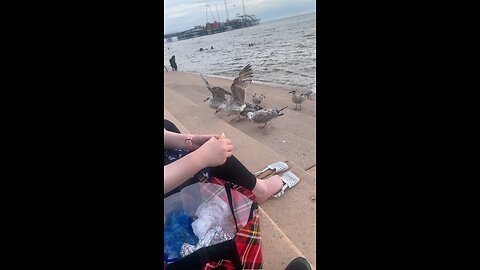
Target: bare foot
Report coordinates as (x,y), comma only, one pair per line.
(265,188)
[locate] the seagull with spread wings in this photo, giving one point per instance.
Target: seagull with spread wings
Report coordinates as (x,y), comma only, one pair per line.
(239,87)
(218,95)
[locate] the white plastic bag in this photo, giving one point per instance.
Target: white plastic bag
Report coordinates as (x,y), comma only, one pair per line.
(214,212)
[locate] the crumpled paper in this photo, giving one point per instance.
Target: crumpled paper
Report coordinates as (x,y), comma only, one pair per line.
(214,235)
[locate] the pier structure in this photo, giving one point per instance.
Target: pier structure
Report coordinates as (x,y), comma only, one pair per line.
(241,21)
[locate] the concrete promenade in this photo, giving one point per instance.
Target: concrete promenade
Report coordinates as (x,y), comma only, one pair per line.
(288,224)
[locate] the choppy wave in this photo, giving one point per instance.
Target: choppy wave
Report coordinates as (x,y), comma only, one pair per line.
(283,52)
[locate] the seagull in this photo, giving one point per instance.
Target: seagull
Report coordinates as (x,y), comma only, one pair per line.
(218,95)
(239,86)
(264,116)
(310,93)
(250,108)
(297,99)
(257,99)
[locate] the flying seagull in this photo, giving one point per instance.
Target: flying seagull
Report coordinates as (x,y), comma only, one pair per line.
(218,95)
(297,99)
(239,86)
(257,99)
(264,116)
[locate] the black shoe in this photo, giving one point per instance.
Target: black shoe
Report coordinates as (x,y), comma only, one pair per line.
(299,263)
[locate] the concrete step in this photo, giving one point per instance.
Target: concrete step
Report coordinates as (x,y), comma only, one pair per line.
(293,213)
(169,116)
(288,136)
(195,90)
(278,250)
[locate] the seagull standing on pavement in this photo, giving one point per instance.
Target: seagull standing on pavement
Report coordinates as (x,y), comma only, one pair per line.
(257,99)
(297,99)
(310,93)
(264,116)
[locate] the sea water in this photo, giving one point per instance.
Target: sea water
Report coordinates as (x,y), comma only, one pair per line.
(284,52)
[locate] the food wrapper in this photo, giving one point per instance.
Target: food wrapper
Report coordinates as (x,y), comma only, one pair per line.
(213,236)
(222,136)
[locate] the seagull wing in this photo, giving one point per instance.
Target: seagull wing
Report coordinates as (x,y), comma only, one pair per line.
(218,93)
(206,82)
(241,83)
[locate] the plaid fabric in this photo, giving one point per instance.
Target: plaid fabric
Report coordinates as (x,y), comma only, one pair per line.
(247,239)
(242,204)
(248,242)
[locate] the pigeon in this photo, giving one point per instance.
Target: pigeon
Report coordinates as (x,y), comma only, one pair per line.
(218,95)
(310,93)
(297,99)
(257,99)
(264,116)
(239,86)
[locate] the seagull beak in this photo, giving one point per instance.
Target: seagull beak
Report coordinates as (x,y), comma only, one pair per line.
(290,92)
(205,99)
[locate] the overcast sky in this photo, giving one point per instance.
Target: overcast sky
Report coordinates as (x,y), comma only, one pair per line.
(181,15)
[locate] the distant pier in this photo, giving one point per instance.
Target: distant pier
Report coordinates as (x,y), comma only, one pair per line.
(213,28)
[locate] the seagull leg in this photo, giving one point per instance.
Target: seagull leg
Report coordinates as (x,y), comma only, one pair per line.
(268,128)
(300,107)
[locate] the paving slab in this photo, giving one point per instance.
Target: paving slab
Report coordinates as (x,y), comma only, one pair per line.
(278,250)
(313,171)
(169,116)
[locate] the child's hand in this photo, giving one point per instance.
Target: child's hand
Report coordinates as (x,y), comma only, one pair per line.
(215,152)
